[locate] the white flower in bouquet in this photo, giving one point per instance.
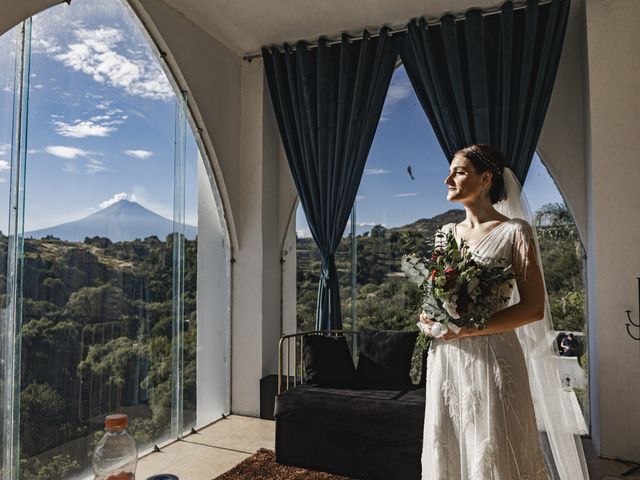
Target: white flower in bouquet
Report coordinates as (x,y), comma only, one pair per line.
(438,329)
(451,306)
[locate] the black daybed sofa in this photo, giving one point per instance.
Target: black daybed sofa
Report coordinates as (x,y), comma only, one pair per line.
(364,422)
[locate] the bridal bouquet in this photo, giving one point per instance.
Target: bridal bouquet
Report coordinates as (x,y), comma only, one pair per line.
(456,290)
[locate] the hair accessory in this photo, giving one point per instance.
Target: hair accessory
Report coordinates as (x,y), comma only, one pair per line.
(485,161)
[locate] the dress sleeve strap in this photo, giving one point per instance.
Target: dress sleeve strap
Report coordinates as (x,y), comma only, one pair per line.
(522,243)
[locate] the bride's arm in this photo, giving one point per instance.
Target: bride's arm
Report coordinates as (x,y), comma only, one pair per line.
(530,308)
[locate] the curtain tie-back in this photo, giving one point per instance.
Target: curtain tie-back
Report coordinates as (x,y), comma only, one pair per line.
(328,270)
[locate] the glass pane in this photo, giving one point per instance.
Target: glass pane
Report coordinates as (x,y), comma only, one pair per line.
(309,264)
(190,344)
(9,54)
(564,265)
(99,256)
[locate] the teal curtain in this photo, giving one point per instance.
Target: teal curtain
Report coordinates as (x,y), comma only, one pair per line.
(327,102)
(488,79)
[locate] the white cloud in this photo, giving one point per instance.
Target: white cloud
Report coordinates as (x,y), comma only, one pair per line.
(4,166)
(95,166)
(398,91)
(369,224)
(303,233)
(46,45)
(141,154)
(66,152)
(359,198)
(117,197)
(375,171)
(82,129)
(70,168)
(5,148)
(100,118)
(95,54)
(410,194)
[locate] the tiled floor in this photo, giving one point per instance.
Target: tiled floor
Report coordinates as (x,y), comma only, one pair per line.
(604,469)
(212,451)
(219,447)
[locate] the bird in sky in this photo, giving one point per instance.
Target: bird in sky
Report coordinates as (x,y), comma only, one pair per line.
(410,172)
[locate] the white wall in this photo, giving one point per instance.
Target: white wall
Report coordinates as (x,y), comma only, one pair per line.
(213,366)
(613,47)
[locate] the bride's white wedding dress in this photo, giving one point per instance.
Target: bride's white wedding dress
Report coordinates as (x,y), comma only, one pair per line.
(479,420)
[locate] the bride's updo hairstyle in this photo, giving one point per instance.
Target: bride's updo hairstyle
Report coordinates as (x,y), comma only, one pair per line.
(487,158)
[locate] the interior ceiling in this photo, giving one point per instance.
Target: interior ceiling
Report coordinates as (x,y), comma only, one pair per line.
(246,25)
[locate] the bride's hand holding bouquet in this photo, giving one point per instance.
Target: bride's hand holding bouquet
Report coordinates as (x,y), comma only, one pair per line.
(425,326)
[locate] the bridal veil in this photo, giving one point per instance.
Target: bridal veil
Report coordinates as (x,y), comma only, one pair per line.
(555,416)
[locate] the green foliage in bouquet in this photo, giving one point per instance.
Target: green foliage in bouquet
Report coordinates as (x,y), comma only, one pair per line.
(454,287)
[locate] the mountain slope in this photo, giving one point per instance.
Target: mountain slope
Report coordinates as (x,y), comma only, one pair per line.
(124,220)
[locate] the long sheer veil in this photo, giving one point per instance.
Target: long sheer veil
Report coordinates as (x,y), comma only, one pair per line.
(555,416)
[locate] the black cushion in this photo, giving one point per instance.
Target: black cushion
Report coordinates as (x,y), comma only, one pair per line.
(328,361)
(385,357)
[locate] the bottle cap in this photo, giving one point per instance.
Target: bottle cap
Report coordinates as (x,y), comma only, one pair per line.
(163,476)
(117,421)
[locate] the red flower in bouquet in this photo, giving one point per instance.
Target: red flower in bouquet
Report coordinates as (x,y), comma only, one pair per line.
(451,275)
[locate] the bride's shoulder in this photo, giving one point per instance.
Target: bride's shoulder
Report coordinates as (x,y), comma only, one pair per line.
(520,223)
(521,227)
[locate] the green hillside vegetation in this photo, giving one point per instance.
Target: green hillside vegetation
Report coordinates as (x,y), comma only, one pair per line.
(96,338)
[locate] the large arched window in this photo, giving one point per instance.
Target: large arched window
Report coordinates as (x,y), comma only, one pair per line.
(402,202)
(115,207)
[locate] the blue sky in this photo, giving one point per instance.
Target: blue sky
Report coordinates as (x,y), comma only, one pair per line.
(101,117)
(404,137)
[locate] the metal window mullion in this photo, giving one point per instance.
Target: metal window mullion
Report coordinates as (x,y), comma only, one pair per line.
(12,318)
(354,278)
(179,186)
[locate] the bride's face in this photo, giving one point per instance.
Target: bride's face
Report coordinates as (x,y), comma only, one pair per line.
(464,184)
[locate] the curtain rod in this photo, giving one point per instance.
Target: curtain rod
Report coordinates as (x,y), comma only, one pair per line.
(430,23)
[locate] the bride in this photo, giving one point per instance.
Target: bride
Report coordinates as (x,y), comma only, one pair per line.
(495,407)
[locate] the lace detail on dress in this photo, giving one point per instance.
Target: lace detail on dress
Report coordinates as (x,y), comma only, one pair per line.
(441,450)
(451,398)
(476,345)
(485,460)
(504,379)
(471,403)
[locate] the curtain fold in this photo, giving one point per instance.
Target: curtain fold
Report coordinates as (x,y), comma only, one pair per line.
(327,102)
(488,79)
